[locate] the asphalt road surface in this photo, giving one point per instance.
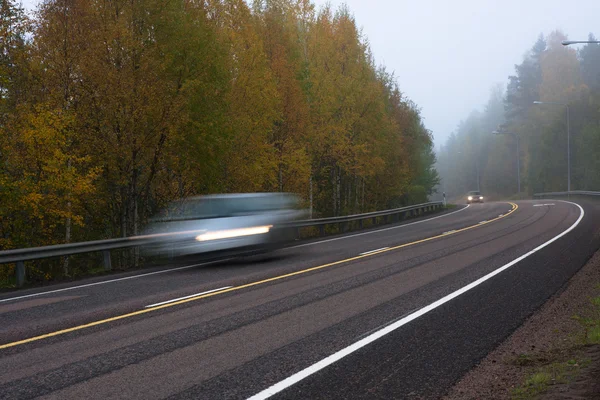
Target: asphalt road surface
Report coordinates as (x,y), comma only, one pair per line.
(400,312)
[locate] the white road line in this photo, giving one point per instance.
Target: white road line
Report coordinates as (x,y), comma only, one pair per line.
(373,251)
(187,297)
(542,205)
(379,230)
(110,281)
(297,377)
(449,232)
(483,222)
(212,262)
(500,215)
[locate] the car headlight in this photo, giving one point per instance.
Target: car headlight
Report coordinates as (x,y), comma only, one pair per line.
(233,233)
(480,197)
(470,198)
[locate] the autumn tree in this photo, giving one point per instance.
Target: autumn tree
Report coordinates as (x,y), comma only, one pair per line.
(110,110)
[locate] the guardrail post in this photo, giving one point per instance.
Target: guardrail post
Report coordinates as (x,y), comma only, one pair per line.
(20,273)
(322,230)
(360,224)
(107,261)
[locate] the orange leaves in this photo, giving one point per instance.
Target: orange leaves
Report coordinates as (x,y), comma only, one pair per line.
(136,103)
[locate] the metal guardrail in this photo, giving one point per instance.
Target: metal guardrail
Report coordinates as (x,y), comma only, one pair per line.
(19,256)
(571,193)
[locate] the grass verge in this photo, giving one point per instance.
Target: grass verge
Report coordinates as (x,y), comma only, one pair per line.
(562,365)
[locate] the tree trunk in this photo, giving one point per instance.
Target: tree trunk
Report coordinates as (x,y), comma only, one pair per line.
(338,190)
(362,207)
(280,178)
(347,200)
(310,185)
(67,238)
(135,201)
(356,194)
(67,227)
(333,191)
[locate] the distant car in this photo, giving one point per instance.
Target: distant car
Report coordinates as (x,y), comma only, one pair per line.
(233,224)
(474,197)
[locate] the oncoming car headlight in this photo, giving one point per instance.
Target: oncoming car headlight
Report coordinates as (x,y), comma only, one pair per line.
(470,198)
(233,233)
(480,197)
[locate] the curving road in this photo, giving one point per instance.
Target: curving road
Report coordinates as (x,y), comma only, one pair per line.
(399,312)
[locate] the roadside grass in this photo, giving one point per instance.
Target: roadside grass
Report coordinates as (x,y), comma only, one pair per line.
(554,373)
(560,366)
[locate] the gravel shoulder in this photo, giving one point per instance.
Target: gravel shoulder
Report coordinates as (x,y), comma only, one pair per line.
(551,351)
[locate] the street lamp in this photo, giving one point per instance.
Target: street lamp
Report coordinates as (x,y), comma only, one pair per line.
(568,139)
(568,42)
(497,132)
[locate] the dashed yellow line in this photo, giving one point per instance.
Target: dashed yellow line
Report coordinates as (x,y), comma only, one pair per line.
(235,288)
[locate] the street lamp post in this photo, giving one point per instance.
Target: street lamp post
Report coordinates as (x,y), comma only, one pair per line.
(568,139)
(518,156)
(569,42)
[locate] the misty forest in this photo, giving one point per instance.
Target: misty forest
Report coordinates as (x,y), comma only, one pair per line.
(474,158)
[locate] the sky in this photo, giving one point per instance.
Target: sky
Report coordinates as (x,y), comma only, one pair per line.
(448,54)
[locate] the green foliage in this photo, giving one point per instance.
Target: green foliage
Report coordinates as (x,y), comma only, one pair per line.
(110,110)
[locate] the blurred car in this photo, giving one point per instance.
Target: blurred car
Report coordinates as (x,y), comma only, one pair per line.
(227,223)
(474,197)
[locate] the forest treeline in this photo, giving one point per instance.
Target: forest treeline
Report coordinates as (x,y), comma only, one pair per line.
(550,72)
(111,109)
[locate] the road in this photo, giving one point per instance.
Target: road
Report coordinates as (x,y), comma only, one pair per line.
(399,312)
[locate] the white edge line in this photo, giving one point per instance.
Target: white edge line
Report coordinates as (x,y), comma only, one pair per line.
(483,222)
(379,230)
(449,232)
(297,377)
(373,251)
(111,280)
(187,297)
(215,261)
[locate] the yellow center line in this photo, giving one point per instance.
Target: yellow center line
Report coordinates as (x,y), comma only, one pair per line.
(247,285)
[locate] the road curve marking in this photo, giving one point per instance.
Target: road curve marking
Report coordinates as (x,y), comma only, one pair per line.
(374,251)
(236,288)
(298,376)
(187,297)
(381,230)
(217,261)
(162,271)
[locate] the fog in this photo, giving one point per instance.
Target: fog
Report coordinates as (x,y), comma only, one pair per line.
(447,55)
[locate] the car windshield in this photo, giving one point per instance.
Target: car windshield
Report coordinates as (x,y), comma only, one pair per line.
(222,207)
(474,193)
